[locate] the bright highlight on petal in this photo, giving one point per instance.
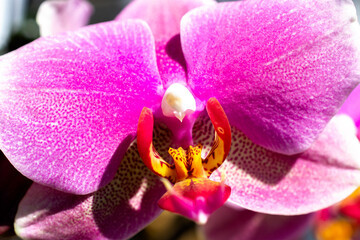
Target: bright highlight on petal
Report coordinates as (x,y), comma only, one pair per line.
(193,195)
(178,101)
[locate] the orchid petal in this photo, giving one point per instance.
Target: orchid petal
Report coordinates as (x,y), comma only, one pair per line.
(117,211)
(13,187)
(280,69)
(273,183)
(69,104)
(228,223)
(54,17)
(351,107)
(163,17)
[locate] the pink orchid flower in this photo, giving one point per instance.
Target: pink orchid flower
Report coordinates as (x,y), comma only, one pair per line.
(70,106)
(56,16)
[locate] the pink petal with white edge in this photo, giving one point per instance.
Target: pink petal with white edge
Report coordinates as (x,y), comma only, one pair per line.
(280,69)
(117,211)
(351,106)
(69,104)
(231,224)
(269,182)
(54,17)
(163,17)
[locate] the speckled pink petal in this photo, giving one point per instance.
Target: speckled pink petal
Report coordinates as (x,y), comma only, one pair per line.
(228,223)
(56,16)
(269,182)
(281,69)
(69,104)
(117,211)
(351,106)
(163,17)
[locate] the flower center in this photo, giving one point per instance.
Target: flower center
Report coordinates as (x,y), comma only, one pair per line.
(178,101)
(188,164)
(193,195)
